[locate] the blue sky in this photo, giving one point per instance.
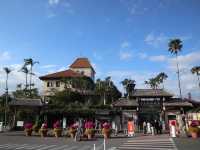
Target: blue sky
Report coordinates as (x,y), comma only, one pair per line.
(122,38)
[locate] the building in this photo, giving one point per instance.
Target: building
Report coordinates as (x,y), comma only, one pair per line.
(149,105)
(80,68)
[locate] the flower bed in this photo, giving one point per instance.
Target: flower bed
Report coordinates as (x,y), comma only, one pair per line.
(57,129)
(194,130)
(106,131)
(43,130)
(28,129)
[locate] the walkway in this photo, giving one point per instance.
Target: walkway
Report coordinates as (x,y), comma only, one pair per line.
(158,142)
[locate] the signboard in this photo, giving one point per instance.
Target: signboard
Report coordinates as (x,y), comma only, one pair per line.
(20,123)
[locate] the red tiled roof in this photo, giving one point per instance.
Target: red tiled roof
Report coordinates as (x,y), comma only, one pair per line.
(81,63)
(61,74)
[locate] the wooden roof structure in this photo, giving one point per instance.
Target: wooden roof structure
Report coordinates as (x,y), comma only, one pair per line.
(123,102)
(150,93)
(26,102)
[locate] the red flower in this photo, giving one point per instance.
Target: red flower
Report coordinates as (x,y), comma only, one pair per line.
(106,125)
(56,124)
(89,125)
(194,123)
(28,126)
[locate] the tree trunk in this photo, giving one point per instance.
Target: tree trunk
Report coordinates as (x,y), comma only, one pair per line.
(178,74)
(6,99)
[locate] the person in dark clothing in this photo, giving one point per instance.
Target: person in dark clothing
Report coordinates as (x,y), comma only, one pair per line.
(156,123)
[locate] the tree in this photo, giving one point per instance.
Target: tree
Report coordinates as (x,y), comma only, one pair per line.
(153,83)
(161,77)
(25,70)
(107,90)
(196,70)
(30,62)
(128,85)
(175,46)
(7,71)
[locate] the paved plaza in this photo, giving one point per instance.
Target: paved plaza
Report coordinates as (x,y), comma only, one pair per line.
(17,141)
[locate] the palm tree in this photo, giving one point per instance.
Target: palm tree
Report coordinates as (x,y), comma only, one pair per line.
(129,86)
(161,77)
(25,70)
(7,71)
(196,70)
(175,46)
(31,62)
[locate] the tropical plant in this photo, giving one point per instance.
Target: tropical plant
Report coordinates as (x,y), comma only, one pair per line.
(30,62)
(128,85)
(175,46)
(196,70)
(161,77)
(25,70)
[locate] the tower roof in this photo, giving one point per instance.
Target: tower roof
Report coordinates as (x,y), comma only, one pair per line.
(81,63)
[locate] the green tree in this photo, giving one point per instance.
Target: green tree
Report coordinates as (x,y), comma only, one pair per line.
(175,46)
(25,70)
(30,62)
(128,85)
(196,70)
(161,77)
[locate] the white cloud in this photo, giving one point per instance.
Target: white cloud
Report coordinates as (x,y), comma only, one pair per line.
(142,55)
(53,2)
(156,40)
(48,66)
(125,44)
(185,61)
(159,58)
(125,55)
(4,56)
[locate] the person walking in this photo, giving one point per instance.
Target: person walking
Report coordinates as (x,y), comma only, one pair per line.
(131,128)
(148,128)
(144,127)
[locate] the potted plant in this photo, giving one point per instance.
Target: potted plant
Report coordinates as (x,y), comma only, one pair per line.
(43,130)
(106,130)
(57,129)
(36,127)
(194,130)
(72,130)
(28,129)
(89,126)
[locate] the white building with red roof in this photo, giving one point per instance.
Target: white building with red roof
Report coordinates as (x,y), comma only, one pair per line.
(80,68)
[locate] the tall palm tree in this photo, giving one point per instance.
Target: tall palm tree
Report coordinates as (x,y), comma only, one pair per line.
(25,70)
(175,46)
(7,71)
(196,70)
(30,62)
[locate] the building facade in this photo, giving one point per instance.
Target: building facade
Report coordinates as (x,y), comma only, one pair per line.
(80,68)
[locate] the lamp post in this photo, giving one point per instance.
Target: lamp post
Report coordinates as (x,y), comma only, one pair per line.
(164,122)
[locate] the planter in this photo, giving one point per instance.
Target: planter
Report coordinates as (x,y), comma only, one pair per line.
(106,133)
(57,132)
(72,132)
(43,132)
(28,132)
(194,135)
(89,136)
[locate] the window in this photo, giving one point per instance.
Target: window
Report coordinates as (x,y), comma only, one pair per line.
(49,84)
(82,72)
(57,83)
